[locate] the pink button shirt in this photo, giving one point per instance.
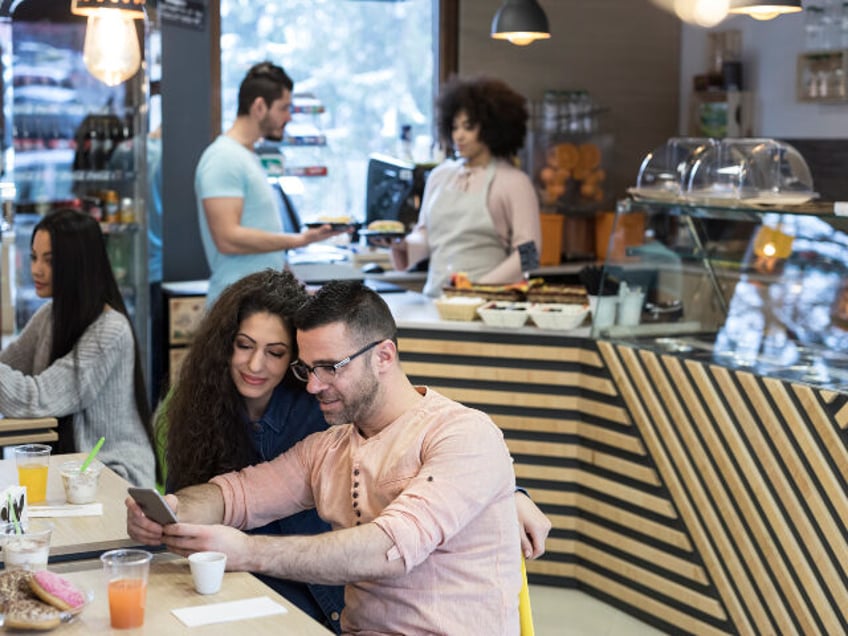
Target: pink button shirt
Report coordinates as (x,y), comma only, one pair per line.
(439,482)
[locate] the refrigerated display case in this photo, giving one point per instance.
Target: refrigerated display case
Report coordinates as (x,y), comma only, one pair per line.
(753,288)
(76,142)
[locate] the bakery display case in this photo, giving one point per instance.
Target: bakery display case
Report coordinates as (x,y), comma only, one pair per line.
(755,288)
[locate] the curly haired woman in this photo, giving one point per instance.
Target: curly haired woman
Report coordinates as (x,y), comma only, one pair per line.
(236,404)
(479,213)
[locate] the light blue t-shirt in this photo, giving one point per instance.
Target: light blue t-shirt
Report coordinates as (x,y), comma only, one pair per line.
(228,169)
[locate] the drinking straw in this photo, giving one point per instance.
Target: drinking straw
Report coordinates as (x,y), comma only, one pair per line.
(12,515)
(92,454)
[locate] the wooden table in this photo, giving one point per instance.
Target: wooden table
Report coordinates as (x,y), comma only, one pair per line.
(38,430)
(82,537)
(170,587)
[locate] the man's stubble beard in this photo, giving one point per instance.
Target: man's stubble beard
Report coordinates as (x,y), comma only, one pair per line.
(367,392)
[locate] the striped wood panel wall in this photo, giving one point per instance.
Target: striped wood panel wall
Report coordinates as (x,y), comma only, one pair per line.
(757,469)
(699,499)
(616,532)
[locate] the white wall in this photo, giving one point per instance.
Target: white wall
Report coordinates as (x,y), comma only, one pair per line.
(769,57)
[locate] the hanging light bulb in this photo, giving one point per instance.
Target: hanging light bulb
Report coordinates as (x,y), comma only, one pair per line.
(765,9)
(705,13)
(521,22)
(111,51)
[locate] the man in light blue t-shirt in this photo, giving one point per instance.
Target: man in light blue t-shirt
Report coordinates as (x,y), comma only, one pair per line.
(240,222)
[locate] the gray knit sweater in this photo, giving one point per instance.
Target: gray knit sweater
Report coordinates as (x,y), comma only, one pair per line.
(94,382)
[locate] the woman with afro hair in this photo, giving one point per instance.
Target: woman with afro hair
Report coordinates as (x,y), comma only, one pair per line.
(479,214)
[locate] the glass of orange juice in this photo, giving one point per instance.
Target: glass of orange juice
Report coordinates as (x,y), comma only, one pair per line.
(126,573)
(32,461)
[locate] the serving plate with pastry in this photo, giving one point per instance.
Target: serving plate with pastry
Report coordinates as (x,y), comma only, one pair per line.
(38,601)
(384,229)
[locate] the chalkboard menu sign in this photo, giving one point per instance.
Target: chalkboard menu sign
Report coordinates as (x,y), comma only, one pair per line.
(188,13)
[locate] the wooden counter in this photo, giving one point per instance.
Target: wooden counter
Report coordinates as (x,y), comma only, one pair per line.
(701,499)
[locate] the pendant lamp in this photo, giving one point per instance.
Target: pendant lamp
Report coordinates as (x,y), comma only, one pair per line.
(111,51)
(765,9)
(521,22)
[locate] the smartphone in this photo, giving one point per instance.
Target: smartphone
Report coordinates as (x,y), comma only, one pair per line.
(153,504)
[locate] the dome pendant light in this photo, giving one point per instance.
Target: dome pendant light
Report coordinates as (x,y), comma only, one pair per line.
(111,51)
(521,22)
(765,9)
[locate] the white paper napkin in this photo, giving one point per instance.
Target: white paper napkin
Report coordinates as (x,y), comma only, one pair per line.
(230,611)
(77,510)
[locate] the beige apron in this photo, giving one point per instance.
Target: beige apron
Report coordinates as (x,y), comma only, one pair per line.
(461,236)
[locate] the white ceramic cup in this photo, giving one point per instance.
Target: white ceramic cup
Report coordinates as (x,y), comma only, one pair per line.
(207,570)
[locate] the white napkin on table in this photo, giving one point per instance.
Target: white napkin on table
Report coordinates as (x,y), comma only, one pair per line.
(75,510)
(229,611)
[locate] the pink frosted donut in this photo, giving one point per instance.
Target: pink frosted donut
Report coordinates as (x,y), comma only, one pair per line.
(55,590)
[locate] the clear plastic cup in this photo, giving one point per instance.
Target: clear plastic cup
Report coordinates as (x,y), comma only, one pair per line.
(33,461)
(126,573)
(80,488)
(26,547)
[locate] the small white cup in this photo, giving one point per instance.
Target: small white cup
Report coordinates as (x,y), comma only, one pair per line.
(603,311)
(630,307)
(207,570)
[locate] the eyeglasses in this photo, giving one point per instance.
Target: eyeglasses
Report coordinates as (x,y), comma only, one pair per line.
(326,373)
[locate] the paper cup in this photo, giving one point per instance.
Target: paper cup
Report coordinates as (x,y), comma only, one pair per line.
(207,570)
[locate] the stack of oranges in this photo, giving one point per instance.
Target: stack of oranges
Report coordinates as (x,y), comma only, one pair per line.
(569,165)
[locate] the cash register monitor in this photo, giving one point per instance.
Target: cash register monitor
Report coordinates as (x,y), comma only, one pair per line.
(288,213)
(388,187)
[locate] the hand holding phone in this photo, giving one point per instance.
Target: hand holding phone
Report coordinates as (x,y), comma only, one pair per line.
(153,505)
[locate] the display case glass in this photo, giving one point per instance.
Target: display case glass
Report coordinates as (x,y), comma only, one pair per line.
(763,289)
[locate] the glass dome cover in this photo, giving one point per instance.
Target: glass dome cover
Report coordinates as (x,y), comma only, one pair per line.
(756,171)
(664,172)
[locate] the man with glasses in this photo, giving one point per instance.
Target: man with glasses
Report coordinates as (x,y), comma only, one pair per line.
(418,489)
(240,223)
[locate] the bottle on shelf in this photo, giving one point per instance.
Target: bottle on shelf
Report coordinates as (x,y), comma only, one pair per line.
(95,154)
(127,213)
(111,207)
(843,26)
(107,144)
(814,28)
(405,143)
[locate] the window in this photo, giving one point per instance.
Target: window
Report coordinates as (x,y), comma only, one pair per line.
(370,64)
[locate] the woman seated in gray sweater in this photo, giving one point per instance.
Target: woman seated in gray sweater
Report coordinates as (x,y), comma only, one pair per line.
(77,359)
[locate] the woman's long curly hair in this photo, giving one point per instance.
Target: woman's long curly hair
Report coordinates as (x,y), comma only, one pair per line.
(206,416)
(489,102)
